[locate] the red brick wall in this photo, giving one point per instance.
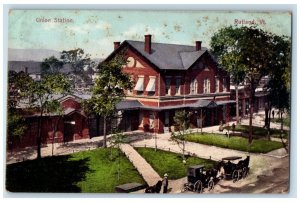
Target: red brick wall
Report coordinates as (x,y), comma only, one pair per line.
(29,138)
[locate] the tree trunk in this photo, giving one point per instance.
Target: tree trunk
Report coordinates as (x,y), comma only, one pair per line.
(39,136)
(237,104)
(104,132)
(269,123)
(251,100)
(54,131)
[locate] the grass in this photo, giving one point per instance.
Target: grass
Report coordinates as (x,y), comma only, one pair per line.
(286,121)
(259,131)
(236,143)
(87,172)
(171,163)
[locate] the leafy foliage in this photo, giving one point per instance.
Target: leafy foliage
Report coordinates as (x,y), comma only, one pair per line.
(182,121)
(108,89)
(18,84)
(51,65)
(250,53)
(80,63)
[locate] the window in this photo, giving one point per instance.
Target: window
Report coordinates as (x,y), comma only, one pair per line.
(194,87)
(206,86)
(224,85)
(178,81)
(217,85)
(140,84)
(151,85)
(168,86)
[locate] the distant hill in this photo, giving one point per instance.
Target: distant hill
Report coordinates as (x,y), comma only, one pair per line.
(31,54)
(37,55)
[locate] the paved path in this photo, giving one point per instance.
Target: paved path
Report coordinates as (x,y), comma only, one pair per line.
(143,167)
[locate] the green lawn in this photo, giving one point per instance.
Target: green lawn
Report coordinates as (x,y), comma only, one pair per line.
(286,121)
(259,131)
(171,163)
(89,172)
(237,143)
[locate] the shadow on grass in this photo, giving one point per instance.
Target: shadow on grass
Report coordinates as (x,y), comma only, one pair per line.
(50,174)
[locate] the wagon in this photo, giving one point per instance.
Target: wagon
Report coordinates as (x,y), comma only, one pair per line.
(198,179)
(234,169)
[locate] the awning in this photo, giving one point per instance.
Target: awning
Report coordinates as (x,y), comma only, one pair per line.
(151,85)
(140,84)
(204,103)
(225,102)
(128,104)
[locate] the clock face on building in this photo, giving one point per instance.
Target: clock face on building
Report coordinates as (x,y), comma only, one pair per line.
(130,62)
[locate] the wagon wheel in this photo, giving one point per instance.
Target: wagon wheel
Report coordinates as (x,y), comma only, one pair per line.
(235,176)
(211,185)
(240,174)
(245,172)
(198,186)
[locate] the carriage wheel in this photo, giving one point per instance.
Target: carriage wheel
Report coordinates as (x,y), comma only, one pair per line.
(240,173)
(245,172)
(211,185)
(198,186)
(235,176)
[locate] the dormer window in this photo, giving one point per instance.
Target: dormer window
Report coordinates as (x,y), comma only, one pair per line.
(194,87)
(224,85)
(139,87)
(168,86)
(217,85)
(206,86)
(178,82)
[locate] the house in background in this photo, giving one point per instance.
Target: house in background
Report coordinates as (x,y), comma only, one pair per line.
(261,96)
(170,77)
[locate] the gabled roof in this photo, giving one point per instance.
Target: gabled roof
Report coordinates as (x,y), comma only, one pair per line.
(168,56)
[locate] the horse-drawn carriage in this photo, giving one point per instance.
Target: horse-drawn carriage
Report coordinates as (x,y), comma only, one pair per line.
(235,171)
(198,179)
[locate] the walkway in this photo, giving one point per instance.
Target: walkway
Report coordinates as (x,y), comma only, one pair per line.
(143,167)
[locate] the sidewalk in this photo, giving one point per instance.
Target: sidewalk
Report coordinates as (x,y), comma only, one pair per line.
(143,167)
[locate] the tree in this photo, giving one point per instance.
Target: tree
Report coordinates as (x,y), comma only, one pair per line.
(55,108)
(255,49)
(278,86)
(109,89)
(182,121)
(116,141)
(42,93)
(51,65)
(18,83)
(225,46)
(80,64)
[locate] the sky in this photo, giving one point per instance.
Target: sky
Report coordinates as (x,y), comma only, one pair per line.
(96,30)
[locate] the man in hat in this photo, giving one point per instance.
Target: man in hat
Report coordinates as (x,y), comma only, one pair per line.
(165,183)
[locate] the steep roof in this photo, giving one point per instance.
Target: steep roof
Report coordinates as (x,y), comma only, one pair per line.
(169,56)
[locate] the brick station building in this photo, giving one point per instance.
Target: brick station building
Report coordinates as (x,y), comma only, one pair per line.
(170,77)
(167,77)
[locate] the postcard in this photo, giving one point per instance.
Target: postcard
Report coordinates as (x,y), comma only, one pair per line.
(144,102)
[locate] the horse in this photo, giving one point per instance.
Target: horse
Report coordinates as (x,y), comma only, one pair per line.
(155,188)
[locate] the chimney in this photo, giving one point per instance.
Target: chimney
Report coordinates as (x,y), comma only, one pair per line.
(198,45)
(26,70)
(116,45)
(148,43)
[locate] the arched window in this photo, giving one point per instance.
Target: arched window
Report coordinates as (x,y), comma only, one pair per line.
(206,85)
(194,87)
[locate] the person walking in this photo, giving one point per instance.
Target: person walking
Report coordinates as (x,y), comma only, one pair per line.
(165,183)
